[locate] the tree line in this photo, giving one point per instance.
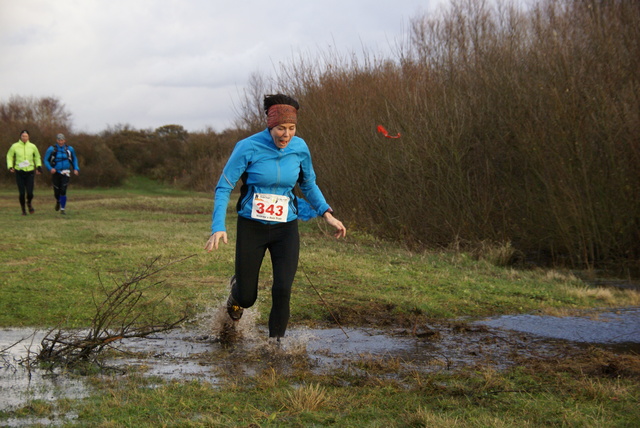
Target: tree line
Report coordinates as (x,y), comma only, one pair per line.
(169,154)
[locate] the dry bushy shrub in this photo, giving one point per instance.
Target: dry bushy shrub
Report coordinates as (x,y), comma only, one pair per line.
(517,126)
(98,165)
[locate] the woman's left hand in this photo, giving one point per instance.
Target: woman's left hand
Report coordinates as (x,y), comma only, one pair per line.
(341,231)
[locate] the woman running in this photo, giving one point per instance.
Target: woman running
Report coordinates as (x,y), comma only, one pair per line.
(270,164)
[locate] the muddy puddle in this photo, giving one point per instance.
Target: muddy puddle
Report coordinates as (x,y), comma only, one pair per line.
(213,351)
(619,329)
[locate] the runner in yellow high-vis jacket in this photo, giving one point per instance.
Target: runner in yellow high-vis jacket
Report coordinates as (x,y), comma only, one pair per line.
(23,159)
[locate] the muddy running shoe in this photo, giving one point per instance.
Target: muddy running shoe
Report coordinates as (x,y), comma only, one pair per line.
(31,210)
(57,205)
(233,308)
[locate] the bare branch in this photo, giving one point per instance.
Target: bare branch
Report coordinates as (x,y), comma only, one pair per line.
(126,311)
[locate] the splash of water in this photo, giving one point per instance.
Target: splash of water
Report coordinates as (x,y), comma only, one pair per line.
(247,334)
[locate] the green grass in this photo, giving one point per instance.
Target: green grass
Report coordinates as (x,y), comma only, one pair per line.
(50,267)
(541,395)
(48,260)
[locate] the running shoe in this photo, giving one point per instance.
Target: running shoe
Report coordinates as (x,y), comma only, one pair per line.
(233,308)
(57,205)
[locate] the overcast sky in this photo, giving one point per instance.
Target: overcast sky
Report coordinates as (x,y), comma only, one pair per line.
(148,63)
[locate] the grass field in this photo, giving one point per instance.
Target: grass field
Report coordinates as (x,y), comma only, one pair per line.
(52,267)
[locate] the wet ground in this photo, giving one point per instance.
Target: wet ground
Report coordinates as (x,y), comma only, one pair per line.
(619,329)
(213,351)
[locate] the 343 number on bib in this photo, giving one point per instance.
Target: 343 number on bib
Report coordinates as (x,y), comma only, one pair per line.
(270,207)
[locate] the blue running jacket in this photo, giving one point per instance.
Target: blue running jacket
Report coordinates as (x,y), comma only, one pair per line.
(264,168)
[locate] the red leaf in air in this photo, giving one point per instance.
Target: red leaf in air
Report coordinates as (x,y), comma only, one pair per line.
(386,133)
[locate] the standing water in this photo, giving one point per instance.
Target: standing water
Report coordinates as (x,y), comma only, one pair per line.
(217,349)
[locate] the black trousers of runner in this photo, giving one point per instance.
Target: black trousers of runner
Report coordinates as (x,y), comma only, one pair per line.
(283,242)
(25,180)
(60,184)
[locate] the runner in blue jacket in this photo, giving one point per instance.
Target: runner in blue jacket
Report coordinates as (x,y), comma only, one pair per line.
(270,164)
(60,159)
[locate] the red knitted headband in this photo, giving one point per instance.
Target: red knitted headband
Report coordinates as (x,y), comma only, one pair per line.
(281,113)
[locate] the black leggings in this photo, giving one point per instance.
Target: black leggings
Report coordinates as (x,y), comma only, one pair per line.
(25,180)
(283,242)
(60,183)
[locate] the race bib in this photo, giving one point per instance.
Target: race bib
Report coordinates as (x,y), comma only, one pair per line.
(270,207)
(66,172)
(24,164)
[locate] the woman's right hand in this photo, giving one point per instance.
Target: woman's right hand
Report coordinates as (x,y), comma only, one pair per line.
(214,239)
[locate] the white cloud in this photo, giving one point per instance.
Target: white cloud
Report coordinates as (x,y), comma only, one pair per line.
(148,63)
